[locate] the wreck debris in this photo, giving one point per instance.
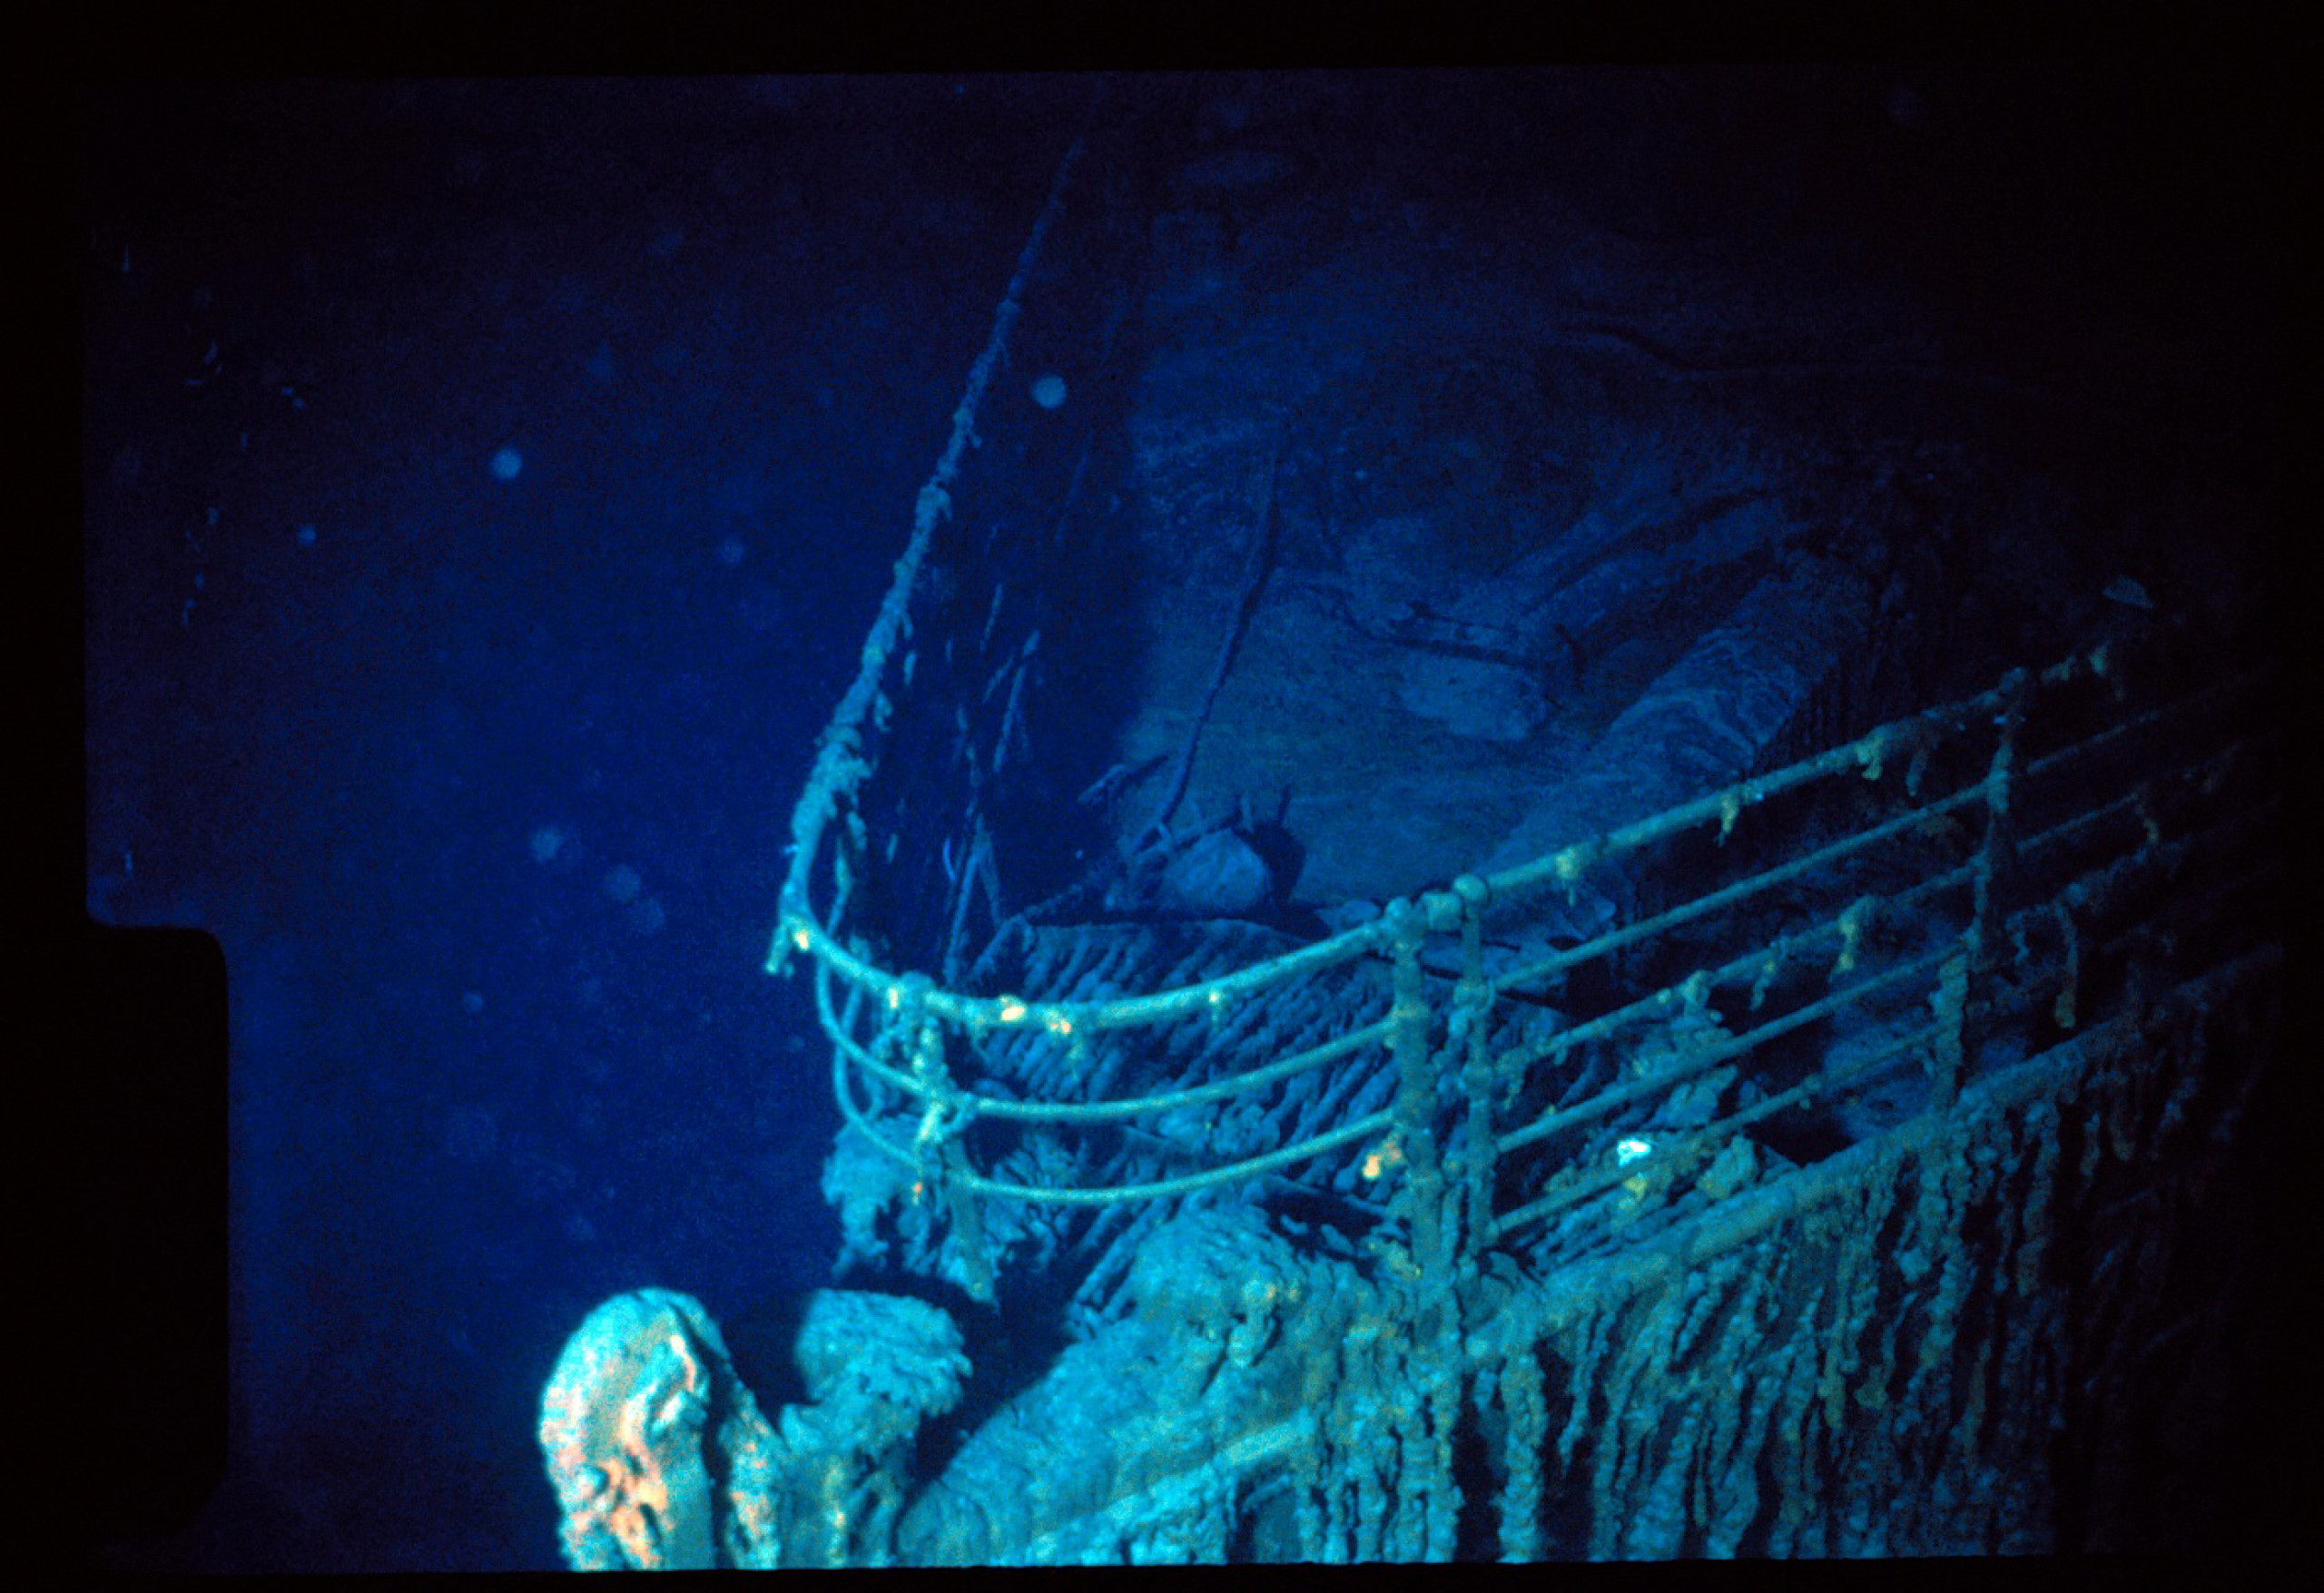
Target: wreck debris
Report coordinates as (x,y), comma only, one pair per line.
(641,1401)
(662,1461)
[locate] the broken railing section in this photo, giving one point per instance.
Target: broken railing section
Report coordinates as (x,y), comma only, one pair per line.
(2067,804)
(848,751)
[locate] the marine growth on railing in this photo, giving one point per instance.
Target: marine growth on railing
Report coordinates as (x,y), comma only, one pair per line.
(1857,934)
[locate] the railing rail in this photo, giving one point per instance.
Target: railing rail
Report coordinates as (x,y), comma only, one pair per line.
(901,1036)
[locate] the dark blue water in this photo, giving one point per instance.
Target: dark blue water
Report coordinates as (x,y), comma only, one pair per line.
(487,491)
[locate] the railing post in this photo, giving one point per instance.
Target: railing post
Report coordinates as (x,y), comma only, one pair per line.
(936,1144)
(1422,1192)
(1471,1018)
(1957,999)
